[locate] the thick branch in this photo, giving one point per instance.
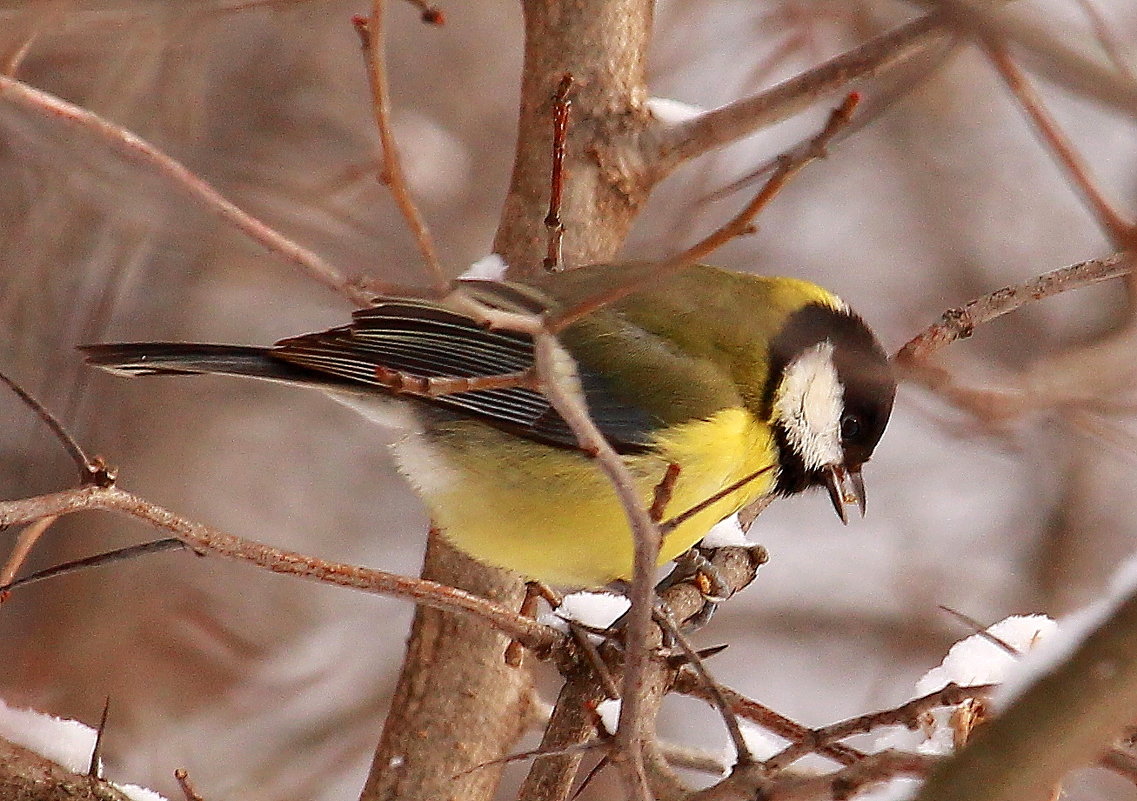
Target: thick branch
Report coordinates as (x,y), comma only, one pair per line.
(602,44)
(27,776)
(790,164)
(458,704)
(1068,718)
(668,147)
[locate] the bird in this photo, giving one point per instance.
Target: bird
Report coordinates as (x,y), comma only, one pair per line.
(745,387)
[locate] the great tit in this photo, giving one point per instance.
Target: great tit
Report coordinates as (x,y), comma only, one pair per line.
(764,385)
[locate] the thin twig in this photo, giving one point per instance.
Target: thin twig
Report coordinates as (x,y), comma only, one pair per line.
(188,790)
(1122,762)
(562,388)
(1105,432)
(1046,49)
(754,782)
(980,630)
(536,753)
(904,715)
(790,164)
(515,651)
(403,383)
(45,19)
(69,443)
(1063,718)
(1108,39)
(661,495)
(673,523)
(71,118)
(569,724)
(371,34)
(95,766)
(593,772)
(592,655)
(1119,230)
(562,104)
(687,683)
(93,471)
(905,82)
(554,777)
(689,758)
(431,15)
(26,540)
(961,322)
(749,513)
(714,689)
(852,780)
(98,560)
(494,319)
(208,539)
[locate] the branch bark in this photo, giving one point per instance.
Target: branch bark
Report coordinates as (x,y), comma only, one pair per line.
(960,323)
(27,776)
(603,45)
(552,776)
(206,539)
(458,703)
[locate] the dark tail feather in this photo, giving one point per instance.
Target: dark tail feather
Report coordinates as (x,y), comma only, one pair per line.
(177,358)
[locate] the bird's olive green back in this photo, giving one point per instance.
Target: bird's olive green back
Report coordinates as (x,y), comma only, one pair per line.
(687,345)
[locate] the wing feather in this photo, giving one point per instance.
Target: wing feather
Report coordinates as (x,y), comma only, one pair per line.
(420,338)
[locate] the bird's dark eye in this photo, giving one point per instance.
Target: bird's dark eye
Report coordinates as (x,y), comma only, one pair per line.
(850,426)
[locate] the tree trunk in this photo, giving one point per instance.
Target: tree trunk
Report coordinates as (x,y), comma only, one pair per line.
(457,704)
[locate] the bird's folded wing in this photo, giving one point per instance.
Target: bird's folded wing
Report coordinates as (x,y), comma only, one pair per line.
(423,339)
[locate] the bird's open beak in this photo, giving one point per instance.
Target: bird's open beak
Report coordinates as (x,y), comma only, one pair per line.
(846,487)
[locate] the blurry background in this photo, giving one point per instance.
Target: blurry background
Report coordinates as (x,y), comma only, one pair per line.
(270,688)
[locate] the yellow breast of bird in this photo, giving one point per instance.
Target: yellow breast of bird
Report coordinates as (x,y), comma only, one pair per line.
(551,514)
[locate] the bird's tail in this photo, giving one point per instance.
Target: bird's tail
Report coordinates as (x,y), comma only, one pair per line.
(183,358)
(180,358)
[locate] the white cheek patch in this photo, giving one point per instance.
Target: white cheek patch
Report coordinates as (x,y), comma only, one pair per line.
(809,404)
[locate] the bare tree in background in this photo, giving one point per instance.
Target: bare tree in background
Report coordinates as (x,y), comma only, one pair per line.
(1006,488)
